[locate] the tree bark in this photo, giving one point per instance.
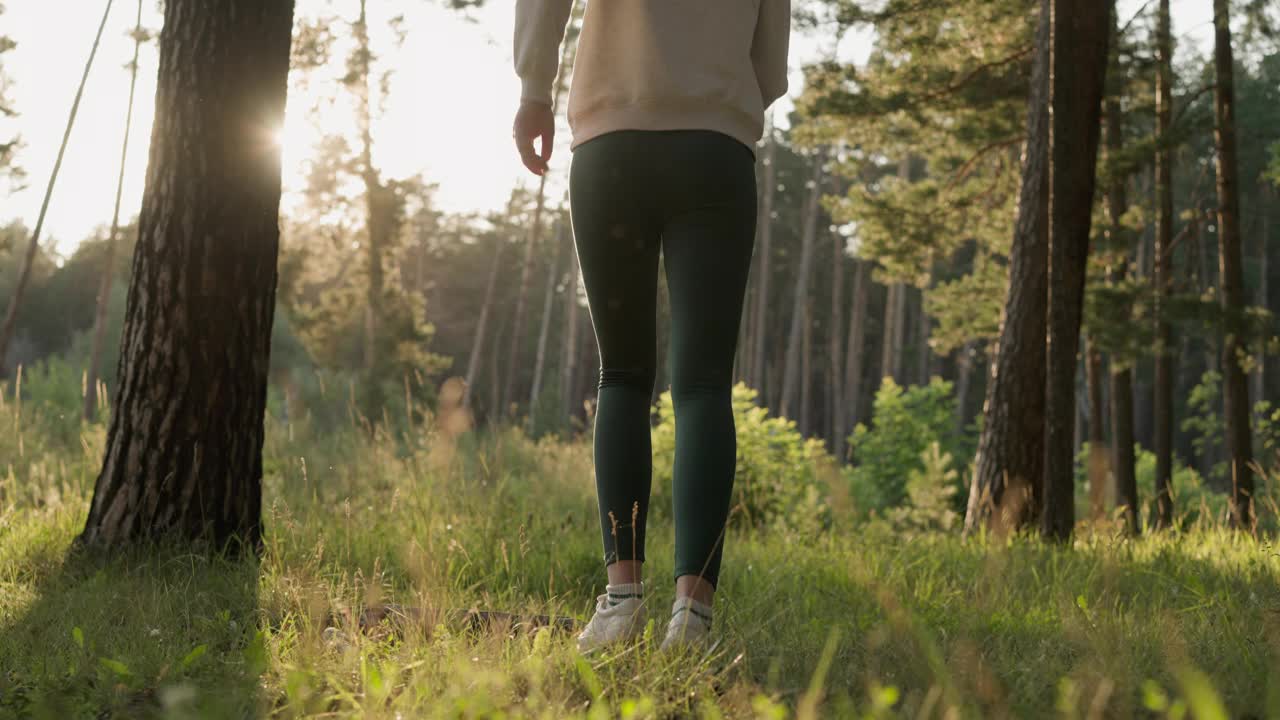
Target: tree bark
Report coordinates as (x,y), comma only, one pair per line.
(109,260)
(1099,457)
(964,381)
(855,344)
(895,312)
(1235,383)
(791,373)
(569,366)
(1007,480)
(541,358)
(1080,33)
(924,354)
(835,324)
(1122,440)
(482,325)
(1162,400)
(184,448)
(1264,235)
(806,372)
(764,223)
(10,323)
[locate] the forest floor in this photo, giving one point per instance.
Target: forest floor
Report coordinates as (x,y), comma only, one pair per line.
(856,622)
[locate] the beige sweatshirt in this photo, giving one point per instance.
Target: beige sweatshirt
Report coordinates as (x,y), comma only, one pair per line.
(659,64)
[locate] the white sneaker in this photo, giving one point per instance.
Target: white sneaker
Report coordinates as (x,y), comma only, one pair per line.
(621,618)
(690,625)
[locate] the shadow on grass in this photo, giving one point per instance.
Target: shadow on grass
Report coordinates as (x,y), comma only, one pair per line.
(140,633)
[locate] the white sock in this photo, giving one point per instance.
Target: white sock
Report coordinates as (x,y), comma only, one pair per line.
(700,610)
(624,591)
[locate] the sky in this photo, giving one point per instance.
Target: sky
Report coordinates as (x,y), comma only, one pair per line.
(447,117)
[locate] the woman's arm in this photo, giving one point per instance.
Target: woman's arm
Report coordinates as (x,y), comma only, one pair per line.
(540,28)
(769,48)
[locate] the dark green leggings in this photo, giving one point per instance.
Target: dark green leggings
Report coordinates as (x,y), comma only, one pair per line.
(689,195)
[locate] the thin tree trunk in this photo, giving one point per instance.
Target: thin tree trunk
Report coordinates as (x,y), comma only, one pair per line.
(964,381)
(791,372)
(806,372)
(547,299)
(1162,400)
(109,259)
(895,333)
(24,275)
(482,325)
(495,407)
(835,324)
(855,344)
(1234,382)
(1080,33)
(1099,455)
(764,225)
(1264,234)
(379,202)
(569,366)
(924,354)
(567,53)
(184,449)
(1122,440)
(1007,481)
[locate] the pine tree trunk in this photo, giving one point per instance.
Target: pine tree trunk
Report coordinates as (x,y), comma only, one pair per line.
(495,412)
(1099,456)
(379,207)
(506,397)
(482,325)
(924,354)
(835,363)
(1122,440)
(1264,234)
(1162,400)
(1080,33)
(1234,381)
(1007,481)
(792,370)
(109,260)
(547,298)
(764,223)
(889,354)
(567,53)
(569,363)
(10,322)
(184,448)
(964,381)
(806,372)
(855,345)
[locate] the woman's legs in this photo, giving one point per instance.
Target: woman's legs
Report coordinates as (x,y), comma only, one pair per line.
(692,195)
(707,254)
(618,246)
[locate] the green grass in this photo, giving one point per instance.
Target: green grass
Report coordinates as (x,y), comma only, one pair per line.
(850,623)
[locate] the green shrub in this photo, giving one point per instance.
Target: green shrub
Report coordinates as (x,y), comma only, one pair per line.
(1205,423)
(906,422)
(931,495)
(781,477)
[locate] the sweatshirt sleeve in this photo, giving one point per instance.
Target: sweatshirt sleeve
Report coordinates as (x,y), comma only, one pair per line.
(769,48)
(540,28)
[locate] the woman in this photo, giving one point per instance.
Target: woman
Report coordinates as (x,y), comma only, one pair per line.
(666,107)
